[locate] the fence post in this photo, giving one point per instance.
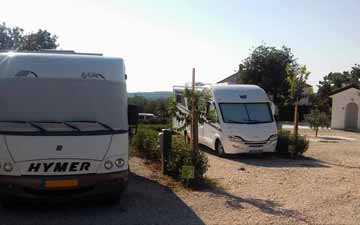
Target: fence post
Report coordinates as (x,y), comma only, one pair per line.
(165,148)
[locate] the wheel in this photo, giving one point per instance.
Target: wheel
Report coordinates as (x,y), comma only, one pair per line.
(114,197)
(220,149)
(9,202)
(111,199)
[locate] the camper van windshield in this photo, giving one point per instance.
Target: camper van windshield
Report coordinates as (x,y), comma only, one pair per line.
(248,113)
(64,106)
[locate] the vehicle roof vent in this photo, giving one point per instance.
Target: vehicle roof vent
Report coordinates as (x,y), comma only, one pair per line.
(25,74)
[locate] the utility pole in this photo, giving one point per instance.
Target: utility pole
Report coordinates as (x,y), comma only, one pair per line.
(194,119)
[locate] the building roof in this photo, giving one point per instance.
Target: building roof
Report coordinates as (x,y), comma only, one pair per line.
(228,78)
(235,75)
(354,85)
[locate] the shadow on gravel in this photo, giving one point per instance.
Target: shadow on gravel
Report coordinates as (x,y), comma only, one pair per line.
(269,160)
(266,206)
(144,202)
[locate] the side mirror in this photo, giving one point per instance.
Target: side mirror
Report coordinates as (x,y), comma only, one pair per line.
(211,115)
(133,118)
(273,108)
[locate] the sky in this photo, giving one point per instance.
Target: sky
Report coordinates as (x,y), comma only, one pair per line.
(161,41)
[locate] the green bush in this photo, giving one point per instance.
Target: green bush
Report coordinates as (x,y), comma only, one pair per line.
(146,144)
(288,145)
(156,127)
(182,155)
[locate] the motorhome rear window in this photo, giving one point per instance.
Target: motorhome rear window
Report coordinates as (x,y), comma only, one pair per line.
(248,113)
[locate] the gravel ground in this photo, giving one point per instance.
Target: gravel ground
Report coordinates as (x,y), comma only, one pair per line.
(145,202)
(321,189)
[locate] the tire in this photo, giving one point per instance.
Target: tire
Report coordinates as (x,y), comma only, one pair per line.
(220,149)
(9,202)
(114,197)
(111,199)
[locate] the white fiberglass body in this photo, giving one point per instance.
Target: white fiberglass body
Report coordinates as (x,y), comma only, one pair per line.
(62,114)
(243,123)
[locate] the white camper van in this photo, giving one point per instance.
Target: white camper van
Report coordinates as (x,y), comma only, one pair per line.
(242,120)
(63,125)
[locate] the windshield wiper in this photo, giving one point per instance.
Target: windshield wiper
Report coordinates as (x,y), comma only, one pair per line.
(233,121)
(59,122)
(246,121)
(26,122)
(253,121)
(92,121)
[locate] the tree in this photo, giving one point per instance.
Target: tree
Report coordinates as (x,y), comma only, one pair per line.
(333,81)
(296,76)
(15,39)
(201,99)
(317,120)
(266,67)
(355,74)
(42,39)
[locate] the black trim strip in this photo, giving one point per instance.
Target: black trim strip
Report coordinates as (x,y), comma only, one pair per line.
(63,159)
(212,125)
(63,133)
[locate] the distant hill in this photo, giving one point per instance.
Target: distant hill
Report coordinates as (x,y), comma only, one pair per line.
(152,95)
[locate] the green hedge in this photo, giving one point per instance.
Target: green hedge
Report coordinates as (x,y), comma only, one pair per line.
(145,144)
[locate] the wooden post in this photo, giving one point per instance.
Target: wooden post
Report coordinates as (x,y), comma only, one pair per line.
(194,119)
(165,149)
(296,119)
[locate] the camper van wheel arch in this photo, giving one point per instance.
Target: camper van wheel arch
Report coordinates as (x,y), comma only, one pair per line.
(219,148)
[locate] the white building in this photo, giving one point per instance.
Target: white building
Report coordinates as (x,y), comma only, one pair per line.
(345,112)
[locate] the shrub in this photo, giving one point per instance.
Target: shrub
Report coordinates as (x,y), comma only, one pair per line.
(182,155)
(146,144)
(288,145)
(156,127)
(317,120)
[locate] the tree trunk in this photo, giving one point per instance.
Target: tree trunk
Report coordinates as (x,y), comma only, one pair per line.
(296,119)
(316,132)
(194,119)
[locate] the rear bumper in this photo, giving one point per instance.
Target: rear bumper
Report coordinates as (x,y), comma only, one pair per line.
(89,185)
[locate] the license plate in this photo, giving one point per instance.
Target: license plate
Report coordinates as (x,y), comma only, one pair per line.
(61,183)
(256,150)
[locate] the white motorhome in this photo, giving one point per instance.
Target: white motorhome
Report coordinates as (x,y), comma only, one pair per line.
(242,118)
(63,125)
(147,116)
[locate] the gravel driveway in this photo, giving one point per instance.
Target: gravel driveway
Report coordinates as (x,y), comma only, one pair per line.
(320,189)
(145,202)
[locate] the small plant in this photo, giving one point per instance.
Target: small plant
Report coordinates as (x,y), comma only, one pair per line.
(182,155)
(290,145)
(146,144)
(317,120)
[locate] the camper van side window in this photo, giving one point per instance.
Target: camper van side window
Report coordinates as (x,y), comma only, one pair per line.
(180,99)
(211,113)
